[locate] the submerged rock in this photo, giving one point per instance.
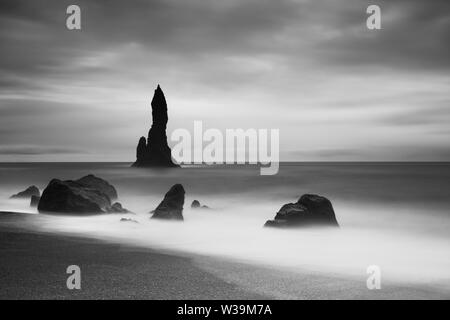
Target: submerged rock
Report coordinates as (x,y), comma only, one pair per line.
(34,201)
(155,152)
(27,193)
(196,205)
(309,210)
(171,207)
(88,195)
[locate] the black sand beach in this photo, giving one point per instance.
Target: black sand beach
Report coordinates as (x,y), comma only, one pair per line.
(33,266)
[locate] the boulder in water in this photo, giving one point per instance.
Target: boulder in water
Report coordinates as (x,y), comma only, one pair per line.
(309,210)
(72,197)
(88,195)
(196,205)
(171,208)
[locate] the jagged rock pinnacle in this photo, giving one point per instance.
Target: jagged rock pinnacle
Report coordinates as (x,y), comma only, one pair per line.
(155,152)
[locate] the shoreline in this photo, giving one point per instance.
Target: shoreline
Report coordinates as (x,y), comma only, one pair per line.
(33,266)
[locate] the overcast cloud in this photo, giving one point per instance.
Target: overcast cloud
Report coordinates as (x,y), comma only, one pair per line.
(311,68)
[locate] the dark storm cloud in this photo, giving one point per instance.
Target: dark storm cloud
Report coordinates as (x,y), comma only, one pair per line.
(181,27)
(325,32)
(37,47)
(198,37)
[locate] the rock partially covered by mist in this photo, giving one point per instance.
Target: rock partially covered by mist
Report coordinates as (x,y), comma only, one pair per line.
(88,195)
(128,220)
(309,210)
(196,205)
(117,208)
(34,201)
(27,193)
(72,197)
(171,208)
(155,152)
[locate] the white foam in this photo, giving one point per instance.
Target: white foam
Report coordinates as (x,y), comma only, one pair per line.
(403,254)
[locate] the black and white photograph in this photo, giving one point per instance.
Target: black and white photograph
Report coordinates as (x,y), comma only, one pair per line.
(224,150)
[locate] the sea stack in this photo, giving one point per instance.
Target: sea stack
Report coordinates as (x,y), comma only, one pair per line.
(155,152)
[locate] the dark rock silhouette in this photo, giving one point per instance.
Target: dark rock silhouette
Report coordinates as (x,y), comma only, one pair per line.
(155,152)
(171,207)
(27,193)
(88,195)
(72,197)
(309,210)
(128,220)
(34,201)
(196,205)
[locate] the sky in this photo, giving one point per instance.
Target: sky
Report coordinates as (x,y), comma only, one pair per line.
(336,90)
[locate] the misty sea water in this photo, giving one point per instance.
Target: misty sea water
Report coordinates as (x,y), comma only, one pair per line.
(394,215)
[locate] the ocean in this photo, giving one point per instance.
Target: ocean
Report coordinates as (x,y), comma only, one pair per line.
(392,215)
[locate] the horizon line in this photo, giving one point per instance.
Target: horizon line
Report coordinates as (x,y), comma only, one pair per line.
(243,164)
